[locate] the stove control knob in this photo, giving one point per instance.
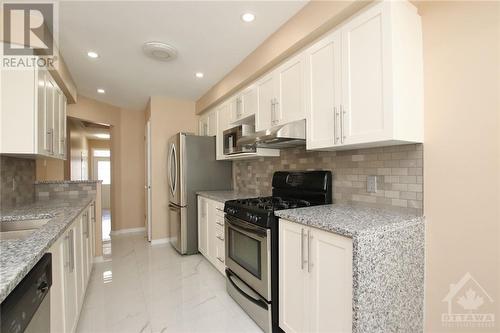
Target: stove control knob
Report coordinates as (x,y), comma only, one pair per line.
(254,218)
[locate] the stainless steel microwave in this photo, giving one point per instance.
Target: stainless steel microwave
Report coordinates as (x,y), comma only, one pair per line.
(232,137)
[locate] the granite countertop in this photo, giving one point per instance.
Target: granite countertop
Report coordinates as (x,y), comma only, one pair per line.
(223,196)
(18,256)
(90,181)
(348,220)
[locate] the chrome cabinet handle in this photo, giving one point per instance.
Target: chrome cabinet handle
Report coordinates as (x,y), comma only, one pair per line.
(272,111)
(50,134)
(276,105)
(302,248)
(309,251)
(220,259)
(341,124)
(221,238)
(67,261)
(72,250)
(335,123)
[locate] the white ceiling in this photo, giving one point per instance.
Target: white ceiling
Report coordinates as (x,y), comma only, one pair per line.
(209,36)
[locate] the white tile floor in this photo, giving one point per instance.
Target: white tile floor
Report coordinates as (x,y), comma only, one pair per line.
(154,289)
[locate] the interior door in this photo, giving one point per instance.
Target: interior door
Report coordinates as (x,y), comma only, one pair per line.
(147,187)
(366,77)
(324,94)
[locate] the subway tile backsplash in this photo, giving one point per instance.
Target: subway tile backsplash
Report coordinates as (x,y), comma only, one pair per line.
(399,171)
(17,177)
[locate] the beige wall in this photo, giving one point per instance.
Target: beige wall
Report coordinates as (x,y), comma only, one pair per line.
(49,169)
(79,152)
(309,23)
(127,158)
(461,166)
(168,116)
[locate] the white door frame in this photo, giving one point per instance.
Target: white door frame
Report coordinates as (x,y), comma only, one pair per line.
(147,186)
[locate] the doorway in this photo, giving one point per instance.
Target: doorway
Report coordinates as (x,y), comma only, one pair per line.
(90,159)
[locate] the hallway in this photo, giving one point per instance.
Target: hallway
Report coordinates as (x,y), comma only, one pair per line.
(154,289)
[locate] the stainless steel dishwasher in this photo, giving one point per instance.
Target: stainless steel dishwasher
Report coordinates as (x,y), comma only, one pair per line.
(27,308)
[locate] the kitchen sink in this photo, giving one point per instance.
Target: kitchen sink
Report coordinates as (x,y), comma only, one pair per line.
(20,229)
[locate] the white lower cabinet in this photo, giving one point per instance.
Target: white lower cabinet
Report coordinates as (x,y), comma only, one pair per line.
(211,231)
(315,282)
(71,265)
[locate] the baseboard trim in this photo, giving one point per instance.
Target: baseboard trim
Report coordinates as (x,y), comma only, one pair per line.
(127,231)
(160,241)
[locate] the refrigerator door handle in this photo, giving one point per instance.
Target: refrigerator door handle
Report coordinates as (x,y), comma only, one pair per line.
(172,169)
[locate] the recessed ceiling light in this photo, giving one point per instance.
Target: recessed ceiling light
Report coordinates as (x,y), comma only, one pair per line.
(102,136)
(248,17)
(101,91)
(199,75)
(93,54)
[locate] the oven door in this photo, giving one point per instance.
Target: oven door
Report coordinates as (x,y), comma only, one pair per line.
(248,254)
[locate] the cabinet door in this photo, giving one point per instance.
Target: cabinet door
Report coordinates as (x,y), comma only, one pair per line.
(212,123)
(203,125)
(223,119)
(366,109)
(248,102)
(90,241)
(62,125)
(70,281)
(266,102)
(293,310)
(234,104)
(78,249)
(57,121)
(330,282)
(85,247)
(289,103)
(43,136)
(50,91)
(57,309)
(212,251)
(323,68)
(202,225)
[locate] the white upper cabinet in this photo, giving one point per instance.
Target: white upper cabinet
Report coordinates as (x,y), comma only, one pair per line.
(323,66)
(365,80)
(33,114)
(290,91)
(244,105)
(281,94)
(223,116)
(207,124)
(266,92)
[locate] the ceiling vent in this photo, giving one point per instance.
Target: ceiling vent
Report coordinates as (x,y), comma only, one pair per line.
(159,51)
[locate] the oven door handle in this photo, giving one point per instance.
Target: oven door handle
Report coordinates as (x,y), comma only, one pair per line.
(259,302)
(246,227)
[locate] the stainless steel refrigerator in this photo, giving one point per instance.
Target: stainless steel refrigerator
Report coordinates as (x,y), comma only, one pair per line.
(192,167)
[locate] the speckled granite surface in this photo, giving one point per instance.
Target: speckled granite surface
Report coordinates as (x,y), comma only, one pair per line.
(67,181)
(388,263)
(223,196)
(17,257)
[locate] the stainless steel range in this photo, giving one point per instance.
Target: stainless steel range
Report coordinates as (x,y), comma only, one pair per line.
(251,233)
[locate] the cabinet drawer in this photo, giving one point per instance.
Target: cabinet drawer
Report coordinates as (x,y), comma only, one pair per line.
(220,256)
(219,232)
(219,220)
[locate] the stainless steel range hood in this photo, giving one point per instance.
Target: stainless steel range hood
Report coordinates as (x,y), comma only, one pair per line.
(283,136)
